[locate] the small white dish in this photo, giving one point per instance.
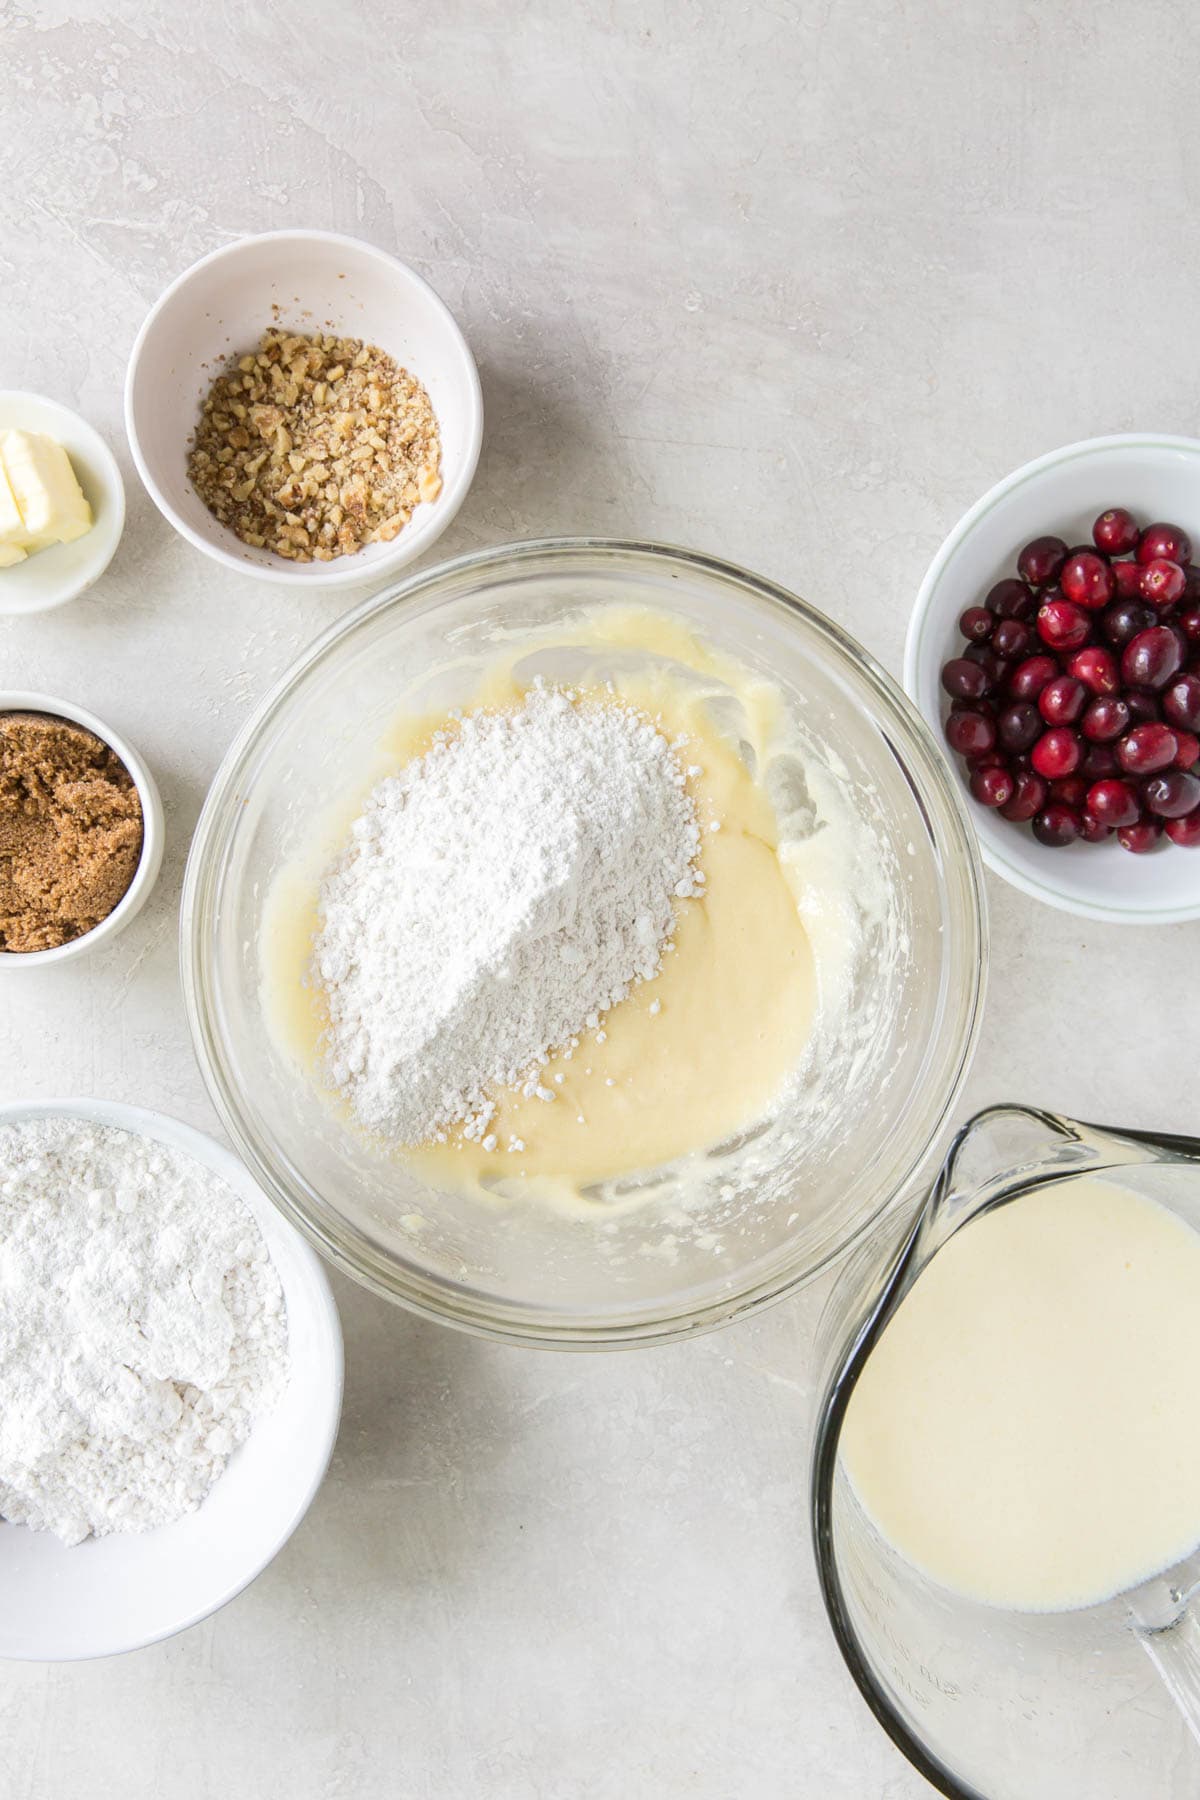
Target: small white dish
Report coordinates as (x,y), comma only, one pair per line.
(153,831)
(1156,477)
(121,1592)
(317,281)
(58,574)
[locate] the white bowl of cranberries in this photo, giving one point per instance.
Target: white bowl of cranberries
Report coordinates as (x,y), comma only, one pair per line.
(1055,651)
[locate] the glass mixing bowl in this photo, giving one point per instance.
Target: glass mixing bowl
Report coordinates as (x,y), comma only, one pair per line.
(749,1219)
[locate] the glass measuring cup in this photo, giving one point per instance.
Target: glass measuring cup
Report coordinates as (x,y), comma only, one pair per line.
(990,1704)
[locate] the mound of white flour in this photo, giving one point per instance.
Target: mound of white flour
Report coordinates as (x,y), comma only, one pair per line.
(142,1328)
(497,896)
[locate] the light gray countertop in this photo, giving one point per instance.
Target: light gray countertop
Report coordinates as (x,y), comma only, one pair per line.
(791,282)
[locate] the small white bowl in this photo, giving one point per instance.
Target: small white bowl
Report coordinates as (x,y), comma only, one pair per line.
(118,1593)
(319,281)
(64,570)
(1156,477)
(153,831)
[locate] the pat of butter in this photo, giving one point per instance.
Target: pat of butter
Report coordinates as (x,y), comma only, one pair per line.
(12,526)
(41,483)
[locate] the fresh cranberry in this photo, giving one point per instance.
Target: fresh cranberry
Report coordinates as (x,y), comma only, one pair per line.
(1011,599)
(1062,700)
(1063,625)
(1096,667)
(1040,561)
(1106,717)
(965,680)
(1170,541)
(1114,803)
(1147,749)
(1141,837)
(1071,790)
(1056,825)
(1019,726)
(1123,619)
(1012,637)
(977,623)
(1181,703)
(1188,621)
(992,786)
(1172,795)
(1088,581)
(982,654)
(1184,831)
(1056,753)
(1028,798)
(1188,753)
(1143,708)
(1127,580)
(1030,677)
(1115,532)
(1191,581)
(1099,761)
(1091,830)
(1151,658)
(1162,582)
(970,733)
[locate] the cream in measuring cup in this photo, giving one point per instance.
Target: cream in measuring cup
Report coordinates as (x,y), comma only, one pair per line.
(1027,1430)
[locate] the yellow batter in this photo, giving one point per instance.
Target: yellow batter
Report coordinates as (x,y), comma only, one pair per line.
(688,1058)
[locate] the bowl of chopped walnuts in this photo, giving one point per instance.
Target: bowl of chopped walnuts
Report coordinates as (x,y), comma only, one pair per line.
(303,407)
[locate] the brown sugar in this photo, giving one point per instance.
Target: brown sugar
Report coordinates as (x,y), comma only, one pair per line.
(70,831)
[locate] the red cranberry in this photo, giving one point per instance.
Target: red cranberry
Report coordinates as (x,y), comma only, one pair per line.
(1143,708)
(1188,621)
(1063,625)
(977,624)
(1181,703)
(1170,541)
(1056,753)
(1184,831)
(1188,753)
(1011,600)
(1147,749)
(1123,619)
(1028,798)
(1040,561)
(1115,532)
(1172,795)
(1019,726)
(1088,581)
(965,680)
(1099,762)
(1151,658)
(1106,718)
(1062,700)
(1127,580)
(1191,581)
(970,733)
(991,786)
(1162,582)
(1071,790)
(1114,803)
(1056,825)
(1030,677)
(1141,837)
(1091,830)
(1012,637)
(1096,667)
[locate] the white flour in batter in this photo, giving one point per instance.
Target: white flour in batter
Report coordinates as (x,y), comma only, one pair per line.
(142,1328)
(498,895)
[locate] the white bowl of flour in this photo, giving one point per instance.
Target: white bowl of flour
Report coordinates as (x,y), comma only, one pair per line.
(173,1378)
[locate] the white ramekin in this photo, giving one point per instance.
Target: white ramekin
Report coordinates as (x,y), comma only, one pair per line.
(146,874)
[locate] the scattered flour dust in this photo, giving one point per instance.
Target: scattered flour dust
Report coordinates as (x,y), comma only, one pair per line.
(142,1328)
(496,897)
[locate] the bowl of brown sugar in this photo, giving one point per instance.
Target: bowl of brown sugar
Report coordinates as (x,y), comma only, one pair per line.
(81,830)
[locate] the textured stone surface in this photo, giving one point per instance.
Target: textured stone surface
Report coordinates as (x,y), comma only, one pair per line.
(793,282)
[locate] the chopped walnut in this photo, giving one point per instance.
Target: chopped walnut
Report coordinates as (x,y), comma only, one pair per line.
(314,446)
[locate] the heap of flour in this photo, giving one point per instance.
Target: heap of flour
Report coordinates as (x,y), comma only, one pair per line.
(142,1328)
(496,897)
